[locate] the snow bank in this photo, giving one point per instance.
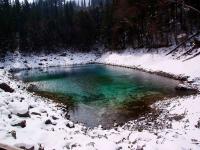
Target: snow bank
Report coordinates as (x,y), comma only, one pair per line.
(17,61)
(154,62)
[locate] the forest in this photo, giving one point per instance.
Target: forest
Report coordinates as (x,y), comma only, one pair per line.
(51,25)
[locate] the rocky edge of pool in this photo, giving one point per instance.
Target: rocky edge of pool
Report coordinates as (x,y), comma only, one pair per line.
(29,121)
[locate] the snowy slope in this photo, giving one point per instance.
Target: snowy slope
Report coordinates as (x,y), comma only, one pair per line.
(154,62)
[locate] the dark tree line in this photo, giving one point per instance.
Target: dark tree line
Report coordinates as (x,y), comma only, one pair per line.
(153,23)
(114,24)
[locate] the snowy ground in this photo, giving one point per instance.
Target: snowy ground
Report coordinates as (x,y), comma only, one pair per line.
(29,121)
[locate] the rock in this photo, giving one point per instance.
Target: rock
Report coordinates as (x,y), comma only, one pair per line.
(22,98)
(19,108)
(70,125)
(177,117)
(140,129)
(67,116)
(91,144)
(40,147)
(40,64)
(21,124)
(54,118)
(6,88)
(13,134)
(43,110)
(25,146)
(48,121)
(31,148)
(24,114)
(9,116)
(198,124)
(12,70)
(43,59)
(35,113)
(63,54)
(32,87)
(139,147)
(30,107)
(74,145)
(119,148)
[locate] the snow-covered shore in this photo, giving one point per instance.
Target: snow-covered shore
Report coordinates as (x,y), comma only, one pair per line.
(151,62)
(176,127)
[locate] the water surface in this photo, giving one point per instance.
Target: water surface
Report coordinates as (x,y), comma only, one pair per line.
(101,94)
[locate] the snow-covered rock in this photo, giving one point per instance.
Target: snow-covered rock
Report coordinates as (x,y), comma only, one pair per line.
(18,107)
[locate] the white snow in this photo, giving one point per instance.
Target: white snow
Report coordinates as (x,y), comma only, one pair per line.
(154,62)
(182,114)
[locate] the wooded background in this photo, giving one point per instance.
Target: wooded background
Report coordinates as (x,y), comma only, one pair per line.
(113,24)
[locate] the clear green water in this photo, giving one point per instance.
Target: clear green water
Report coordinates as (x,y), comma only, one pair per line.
(101,94)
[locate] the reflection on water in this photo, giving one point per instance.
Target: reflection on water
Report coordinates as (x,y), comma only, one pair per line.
(100,94)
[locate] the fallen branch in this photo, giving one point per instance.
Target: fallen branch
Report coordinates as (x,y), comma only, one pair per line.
(175,49)
(187,52)
(197,54)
